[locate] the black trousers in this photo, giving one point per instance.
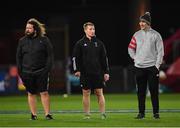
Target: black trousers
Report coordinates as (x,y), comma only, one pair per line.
(147,77)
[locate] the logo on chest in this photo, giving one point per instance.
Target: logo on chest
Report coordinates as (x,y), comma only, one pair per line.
(85,45)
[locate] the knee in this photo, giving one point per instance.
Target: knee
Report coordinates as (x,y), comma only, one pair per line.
(86,93)
(98,94)
(44,93)
(31,95)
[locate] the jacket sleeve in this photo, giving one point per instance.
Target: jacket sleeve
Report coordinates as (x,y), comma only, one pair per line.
(104,60)
(50,56)
(76,58)
(132,48)
(160,51)
(19,58)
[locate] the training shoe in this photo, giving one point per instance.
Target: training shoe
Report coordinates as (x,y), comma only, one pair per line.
(103,116)
(49,117)
(87,116)
(33,117)
(140,116)
(156,116)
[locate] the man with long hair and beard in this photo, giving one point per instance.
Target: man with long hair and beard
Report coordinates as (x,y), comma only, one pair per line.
(34,60)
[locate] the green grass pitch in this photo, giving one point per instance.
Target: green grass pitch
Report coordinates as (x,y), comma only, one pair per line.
(67,112)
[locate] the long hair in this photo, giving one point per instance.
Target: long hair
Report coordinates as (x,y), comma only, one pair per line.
(38,26)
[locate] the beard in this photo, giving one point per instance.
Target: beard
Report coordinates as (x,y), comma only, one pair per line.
(30,34)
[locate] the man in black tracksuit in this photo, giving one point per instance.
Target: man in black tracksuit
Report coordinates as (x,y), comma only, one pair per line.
(90,63)
(34,60)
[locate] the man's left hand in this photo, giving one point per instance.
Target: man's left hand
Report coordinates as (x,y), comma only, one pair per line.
(106,77)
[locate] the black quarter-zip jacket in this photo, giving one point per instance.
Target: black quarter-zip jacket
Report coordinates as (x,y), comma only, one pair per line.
(34,55)
(89,57)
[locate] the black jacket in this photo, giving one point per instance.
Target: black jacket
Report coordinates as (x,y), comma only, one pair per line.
(34,55)
(89,57)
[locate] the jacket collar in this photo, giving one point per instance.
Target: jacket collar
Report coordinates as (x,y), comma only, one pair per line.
(93,39)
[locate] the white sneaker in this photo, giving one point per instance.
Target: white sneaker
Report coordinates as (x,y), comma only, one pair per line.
(103,116)
(87,116)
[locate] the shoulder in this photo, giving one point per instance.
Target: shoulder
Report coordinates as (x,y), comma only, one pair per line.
(156,33)
(44,38)
(99,41)
(137,33)
(80,42)
(22,40)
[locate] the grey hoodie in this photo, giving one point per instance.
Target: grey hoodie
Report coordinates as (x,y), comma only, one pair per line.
(146,48)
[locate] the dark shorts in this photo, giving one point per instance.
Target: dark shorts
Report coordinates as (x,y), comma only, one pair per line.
(36,83)
(92,82)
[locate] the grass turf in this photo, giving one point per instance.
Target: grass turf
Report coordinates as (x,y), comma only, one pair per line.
(14,111)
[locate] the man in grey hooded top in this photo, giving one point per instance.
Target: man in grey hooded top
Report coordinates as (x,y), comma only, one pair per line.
(147,50)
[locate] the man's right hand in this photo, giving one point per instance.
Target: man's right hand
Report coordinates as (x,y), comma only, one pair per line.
(78,74)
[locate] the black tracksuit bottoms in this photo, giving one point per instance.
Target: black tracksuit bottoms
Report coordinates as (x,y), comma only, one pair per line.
(147,77)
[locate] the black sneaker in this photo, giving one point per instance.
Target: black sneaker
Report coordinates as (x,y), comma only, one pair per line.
(156,116)
(33,117)
(140,116)
(49,117)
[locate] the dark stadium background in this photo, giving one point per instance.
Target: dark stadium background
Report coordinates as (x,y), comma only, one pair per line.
(115,22)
